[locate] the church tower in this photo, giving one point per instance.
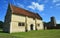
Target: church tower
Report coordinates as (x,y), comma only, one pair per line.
(53,21)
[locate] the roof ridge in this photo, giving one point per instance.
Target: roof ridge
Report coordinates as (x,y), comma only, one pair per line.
(18,10)
(23,9)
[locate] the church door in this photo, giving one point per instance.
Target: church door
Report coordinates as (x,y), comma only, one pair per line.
(31,26)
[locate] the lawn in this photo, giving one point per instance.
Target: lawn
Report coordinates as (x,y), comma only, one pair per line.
(32,34)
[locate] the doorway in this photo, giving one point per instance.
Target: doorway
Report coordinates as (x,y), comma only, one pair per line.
(31,26)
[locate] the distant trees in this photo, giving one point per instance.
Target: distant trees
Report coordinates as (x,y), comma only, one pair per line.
(1,24)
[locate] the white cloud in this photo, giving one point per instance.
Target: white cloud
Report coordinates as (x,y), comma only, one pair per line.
(57,4)
(58,21)
(54,1)
(37,6)
(31,7)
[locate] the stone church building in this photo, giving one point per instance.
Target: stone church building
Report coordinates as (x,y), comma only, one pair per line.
(21,20)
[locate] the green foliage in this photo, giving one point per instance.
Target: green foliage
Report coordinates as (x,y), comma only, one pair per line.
(33,34)
(1,24)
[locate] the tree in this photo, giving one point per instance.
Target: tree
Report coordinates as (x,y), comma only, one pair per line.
(1,24)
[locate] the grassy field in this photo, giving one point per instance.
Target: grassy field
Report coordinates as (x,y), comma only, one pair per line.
(33,34)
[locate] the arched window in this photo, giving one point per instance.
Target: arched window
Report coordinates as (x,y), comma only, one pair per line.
(21,24)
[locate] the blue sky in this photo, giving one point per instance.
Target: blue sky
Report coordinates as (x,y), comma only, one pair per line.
(45,8)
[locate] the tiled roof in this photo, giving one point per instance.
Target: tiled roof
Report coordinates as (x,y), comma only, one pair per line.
(21,11)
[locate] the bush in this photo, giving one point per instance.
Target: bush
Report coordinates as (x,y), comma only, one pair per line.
(1,24)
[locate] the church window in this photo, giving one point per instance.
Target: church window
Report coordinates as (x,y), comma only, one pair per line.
(38,24)
(21,24)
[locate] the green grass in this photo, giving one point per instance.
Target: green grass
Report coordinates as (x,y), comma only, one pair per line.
(33,34)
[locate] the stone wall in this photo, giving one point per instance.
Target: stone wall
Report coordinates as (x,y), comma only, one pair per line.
(29,24)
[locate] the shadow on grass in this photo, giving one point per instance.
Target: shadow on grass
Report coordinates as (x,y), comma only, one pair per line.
(2,32)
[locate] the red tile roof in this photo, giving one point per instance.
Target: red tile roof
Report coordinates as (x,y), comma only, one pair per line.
(20,11)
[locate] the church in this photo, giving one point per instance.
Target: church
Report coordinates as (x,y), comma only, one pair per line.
(20,20)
